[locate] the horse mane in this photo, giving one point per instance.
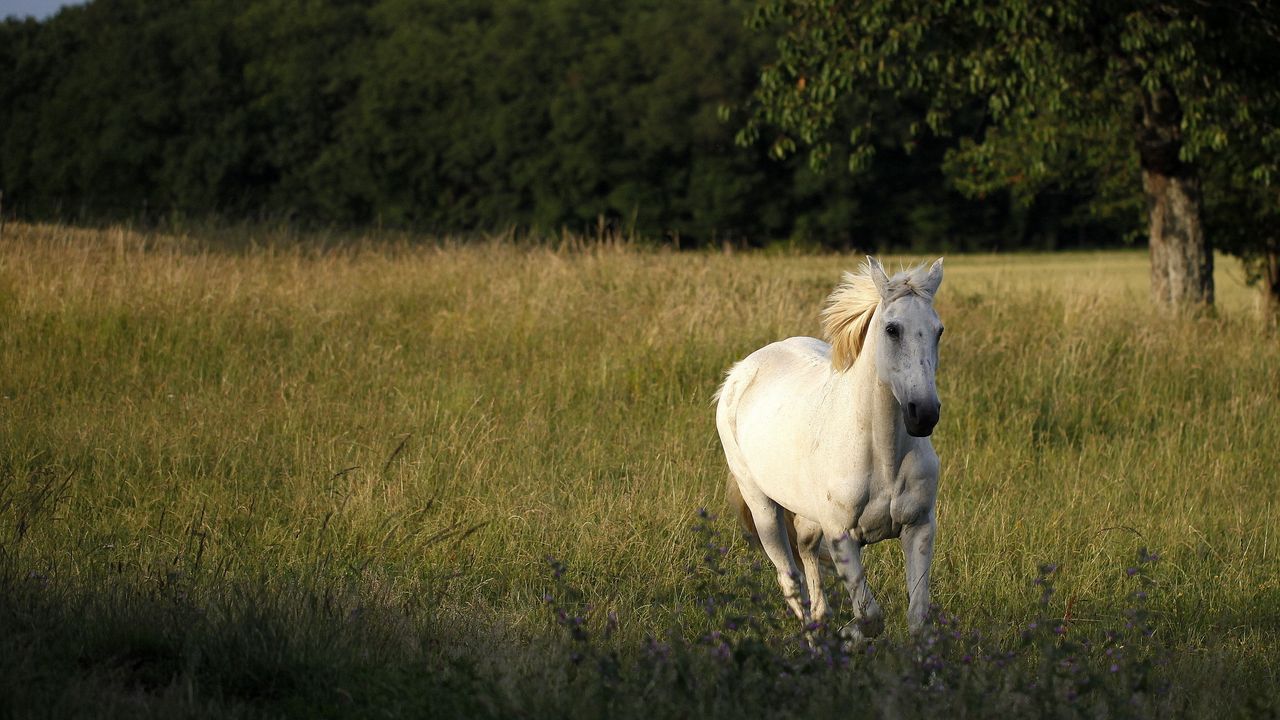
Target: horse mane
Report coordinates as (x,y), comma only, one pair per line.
(850,307)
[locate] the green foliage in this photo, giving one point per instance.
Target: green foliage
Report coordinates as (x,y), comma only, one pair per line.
(1039,95)
(450,117)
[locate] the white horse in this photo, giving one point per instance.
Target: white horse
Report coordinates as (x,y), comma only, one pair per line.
(834,438)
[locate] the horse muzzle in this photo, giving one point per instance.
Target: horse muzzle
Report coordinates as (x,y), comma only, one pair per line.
(920,417)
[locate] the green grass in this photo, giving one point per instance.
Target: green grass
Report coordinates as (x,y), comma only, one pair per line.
(268,480)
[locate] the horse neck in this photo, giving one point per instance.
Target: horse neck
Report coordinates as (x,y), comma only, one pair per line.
(875,407)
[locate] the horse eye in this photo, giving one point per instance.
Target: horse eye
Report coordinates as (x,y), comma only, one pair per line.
(892,330)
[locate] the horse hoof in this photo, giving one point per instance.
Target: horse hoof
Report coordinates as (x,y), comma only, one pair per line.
(862,629)
(872,626)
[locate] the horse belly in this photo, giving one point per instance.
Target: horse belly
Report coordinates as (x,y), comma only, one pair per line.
(778,460)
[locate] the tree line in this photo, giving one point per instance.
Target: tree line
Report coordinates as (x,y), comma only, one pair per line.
(456,116)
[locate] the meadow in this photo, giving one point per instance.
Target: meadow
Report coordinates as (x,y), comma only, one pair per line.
(257,473)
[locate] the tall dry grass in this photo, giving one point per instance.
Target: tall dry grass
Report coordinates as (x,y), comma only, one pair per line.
(413,428)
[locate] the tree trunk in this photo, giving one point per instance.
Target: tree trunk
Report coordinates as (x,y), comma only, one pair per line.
(1271,284)
(1181,259)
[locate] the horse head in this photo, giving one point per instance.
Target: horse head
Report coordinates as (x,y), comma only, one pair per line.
(906,346)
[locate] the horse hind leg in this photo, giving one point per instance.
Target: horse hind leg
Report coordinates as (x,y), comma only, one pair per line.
(770,524)
(733,498)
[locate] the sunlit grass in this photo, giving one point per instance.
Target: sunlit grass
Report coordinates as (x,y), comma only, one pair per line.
(418,426)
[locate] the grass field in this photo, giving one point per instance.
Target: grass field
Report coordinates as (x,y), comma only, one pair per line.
(256,479)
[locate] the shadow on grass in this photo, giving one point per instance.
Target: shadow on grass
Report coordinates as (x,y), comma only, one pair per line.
(114,646)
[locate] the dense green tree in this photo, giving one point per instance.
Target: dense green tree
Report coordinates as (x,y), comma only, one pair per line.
(454,116)
(91,109)
(1242,183)
(124,107)
(497,112)
(29,63)
(300,78)
(1137,101)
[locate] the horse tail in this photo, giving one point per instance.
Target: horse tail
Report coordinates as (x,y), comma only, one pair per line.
(738,506)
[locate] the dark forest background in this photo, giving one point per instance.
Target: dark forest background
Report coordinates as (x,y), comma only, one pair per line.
(460,116)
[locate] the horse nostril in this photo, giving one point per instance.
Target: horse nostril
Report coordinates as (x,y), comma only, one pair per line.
(911,410)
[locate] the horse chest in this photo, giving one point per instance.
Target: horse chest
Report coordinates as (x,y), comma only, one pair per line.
(881,510)
(876,523)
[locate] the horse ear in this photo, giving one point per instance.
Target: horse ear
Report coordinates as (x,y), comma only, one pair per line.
(934,278)
(878,276)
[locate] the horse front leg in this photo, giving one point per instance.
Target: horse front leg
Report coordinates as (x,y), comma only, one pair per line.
(808,545)
(917,550)
(868,618)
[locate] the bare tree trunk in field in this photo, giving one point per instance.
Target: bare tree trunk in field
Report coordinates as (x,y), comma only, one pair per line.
(1271,284)
(1181,259)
